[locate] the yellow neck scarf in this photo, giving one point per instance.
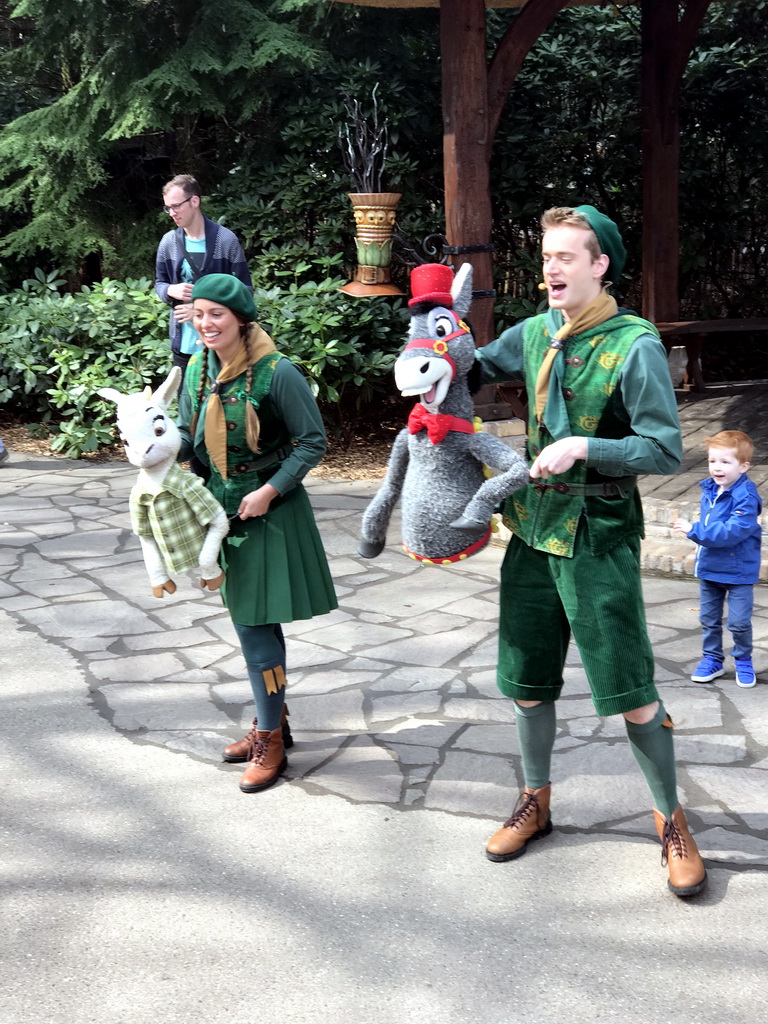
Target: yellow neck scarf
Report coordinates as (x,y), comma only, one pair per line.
(600,309)
(259,345)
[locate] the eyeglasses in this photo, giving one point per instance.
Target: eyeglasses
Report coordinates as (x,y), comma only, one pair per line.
(177,206)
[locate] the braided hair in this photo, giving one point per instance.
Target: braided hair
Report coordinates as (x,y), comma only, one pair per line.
(252,425)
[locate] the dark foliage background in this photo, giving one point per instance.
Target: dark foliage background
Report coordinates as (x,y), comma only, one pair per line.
(101,103)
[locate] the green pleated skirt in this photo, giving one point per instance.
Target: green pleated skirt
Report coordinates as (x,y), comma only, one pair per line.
(275,565)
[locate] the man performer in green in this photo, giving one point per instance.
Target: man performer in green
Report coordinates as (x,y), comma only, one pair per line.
(601,410)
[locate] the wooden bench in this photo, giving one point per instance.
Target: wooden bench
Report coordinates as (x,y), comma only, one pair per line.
(692,334)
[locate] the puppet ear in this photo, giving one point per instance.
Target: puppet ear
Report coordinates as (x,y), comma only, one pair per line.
(461,289)
(166,393)
(111,394)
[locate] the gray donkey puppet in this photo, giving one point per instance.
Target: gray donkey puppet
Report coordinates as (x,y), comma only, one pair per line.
(436,465)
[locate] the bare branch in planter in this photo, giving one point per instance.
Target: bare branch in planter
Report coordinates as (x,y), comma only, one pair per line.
(364,143)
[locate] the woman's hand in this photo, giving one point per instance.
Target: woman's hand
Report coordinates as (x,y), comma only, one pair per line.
(256,503)
(682,526)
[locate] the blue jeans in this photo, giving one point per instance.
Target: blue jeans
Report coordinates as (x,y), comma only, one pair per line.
(712,600)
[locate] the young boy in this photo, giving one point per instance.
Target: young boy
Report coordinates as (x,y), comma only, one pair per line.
(728,557)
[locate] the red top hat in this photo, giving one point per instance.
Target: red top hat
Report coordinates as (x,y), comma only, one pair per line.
(431,282)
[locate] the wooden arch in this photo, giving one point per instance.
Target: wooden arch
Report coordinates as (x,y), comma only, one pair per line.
(474,91)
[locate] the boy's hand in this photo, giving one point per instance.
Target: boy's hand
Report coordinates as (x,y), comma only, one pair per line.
(682,526)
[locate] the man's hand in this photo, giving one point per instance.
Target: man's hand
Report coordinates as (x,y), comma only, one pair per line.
(256,503)
(559,457)
(682,526)
(183,313)
(180,292)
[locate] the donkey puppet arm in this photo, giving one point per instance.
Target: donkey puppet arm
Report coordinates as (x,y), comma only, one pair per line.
(376,517)
(514,475)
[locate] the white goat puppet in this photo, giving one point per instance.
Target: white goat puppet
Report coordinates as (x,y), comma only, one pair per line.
(178,521)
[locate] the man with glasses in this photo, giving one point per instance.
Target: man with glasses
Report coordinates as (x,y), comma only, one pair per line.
(195,248)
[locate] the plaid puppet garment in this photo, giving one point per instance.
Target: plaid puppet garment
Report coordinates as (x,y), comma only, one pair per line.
(177,518)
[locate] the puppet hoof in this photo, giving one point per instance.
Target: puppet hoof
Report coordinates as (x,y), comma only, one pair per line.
(369,548)
(169,587)
(213,584)
(467,525)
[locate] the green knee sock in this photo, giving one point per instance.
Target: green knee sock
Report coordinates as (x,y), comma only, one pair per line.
(653,747)
(536,729)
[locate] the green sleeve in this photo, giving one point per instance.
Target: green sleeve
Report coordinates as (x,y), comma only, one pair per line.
(654,444)
(502,359)
(295,404)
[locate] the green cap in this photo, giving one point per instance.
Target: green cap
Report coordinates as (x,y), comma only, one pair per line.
(608,238)
(228,291)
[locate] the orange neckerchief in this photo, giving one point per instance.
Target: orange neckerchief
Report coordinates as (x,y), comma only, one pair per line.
(215,420)
(600,309)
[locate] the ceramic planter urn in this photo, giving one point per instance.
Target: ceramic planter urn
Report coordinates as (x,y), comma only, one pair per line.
(375,214)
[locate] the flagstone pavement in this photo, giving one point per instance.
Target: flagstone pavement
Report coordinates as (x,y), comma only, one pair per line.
(140,886)
(392,697)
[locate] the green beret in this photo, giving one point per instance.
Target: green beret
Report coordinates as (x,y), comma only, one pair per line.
(608,238)
(227,291)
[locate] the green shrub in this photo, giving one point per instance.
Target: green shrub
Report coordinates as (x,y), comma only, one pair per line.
(57,350)
(345,345)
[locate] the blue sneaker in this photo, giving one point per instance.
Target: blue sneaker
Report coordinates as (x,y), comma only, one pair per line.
(707,670)
(745,674)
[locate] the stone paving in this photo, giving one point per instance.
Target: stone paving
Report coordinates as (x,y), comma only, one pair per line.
(392,697)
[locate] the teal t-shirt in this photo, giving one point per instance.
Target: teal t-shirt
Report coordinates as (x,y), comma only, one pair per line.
(190,339)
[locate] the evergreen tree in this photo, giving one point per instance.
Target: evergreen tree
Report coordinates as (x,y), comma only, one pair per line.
(128,86)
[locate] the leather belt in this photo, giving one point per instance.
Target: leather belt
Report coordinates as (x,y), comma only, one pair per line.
(619,488)
(264,462)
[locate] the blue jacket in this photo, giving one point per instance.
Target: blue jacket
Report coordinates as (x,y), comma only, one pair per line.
(223,255)
(728,533)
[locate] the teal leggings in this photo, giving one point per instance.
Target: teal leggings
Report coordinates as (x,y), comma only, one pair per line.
(264,652)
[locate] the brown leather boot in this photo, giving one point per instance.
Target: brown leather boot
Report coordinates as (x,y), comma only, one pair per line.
(687,874)
(241,751)
(267,763)
(530,820)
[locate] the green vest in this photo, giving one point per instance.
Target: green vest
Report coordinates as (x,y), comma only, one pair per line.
(582,402)
(273,434)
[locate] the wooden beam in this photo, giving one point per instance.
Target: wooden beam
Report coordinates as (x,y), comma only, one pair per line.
(666,45)
(468,218)
(522,34)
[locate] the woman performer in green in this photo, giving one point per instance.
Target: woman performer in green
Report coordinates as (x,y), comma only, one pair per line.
(248,414)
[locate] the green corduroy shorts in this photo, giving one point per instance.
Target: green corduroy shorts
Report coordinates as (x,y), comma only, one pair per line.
(544,598)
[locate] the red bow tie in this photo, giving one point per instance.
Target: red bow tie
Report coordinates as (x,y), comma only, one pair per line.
(438,424)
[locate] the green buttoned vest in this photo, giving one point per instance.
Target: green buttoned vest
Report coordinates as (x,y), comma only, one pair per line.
(583,399)
(272,437)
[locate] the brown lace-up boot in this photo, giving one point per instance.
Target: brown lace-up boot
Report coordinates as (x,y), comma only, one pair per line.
(530,820)
(241,751)
(687,874)
(267,762)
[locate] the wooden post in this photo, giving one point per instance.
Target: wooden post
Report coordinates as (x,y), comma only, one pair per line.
(468,219)
(666,44)
(473,98)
